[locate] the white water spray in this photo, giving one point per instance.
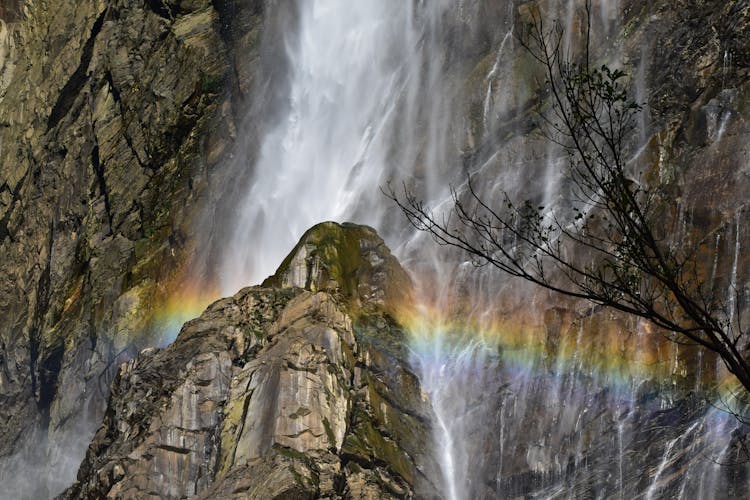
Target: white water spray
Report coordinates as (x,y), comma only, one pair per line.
(367,103)
(352,122)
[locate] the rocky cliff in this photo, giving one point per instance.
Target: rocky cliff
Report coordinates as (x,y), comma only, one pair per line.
(113,114)
(299,388)
(125,129)
(574,423)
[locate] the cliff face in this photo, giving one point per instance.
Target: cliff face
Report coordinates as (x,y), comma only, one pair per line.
(292,389)
(113,114)
(119,129)
(574,427)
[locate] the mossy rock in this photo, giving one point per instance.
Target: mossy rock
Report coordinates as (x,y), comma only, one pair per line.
(349,261)
(365,443)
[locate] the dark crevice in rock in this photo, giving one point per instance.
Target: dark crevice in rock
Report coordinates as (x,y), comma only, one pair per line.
(175,449)
(33,357)
(77,80)
(5,372)
(93,333)
(5,220)
(215,458)
(227,12)
(4,231)
(113,88)
(245,409)
(296,368)
(160,8)
(339,483)
(35,334)
(49,369)
(125,125)
(186,122)
(99,171)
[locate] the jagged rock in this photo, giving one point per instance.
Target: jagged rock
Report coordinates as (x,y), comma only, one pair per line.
(349,260)
(286,392)
(111,115)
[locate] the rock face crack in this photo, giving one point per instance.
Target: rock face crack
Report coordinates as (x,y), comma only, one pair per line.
(40,384)
(77,80)
(14,195)
(161,8)
(303,433)
(175,449)
(125,124)
(98,168)
(245,408)
(292,422)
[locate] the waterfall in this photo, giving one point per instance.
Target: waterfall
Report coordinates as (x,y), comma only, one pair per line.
(367,103)
(370,97)
(459,372)
(352,121)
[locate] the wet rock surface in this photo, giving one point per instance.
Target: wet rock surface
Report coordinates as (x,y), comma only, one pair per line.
(116,119)
(113,114)
(286,392)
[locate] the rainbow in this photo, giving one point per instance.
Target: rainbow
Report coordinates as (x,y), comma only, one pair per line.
(619,352)
(185,300)
(616,350)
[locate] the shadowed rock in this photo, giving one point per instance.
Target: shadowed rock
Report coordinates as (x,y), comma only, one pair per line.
(297,389)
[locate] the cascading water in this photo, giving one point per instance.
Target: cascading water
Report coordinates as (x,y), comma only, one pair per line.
(352,121)
(367,104)
(460,374)
(370,97)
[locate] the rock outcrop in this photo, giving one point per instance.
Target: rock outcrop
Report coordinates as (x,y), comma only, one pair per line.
(295,389)
(112,115)
(687,63)
(118,124)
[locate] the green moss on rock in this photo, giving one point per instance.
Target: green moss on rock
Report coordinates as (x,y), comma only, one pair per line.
(350,261)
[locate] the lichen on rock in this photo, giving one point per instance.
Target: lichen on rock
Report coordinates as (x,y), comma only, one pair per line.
(279,391)
(350,261)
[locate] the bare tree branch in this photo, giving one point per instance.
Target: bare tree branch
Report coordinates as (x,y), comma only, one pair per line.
(614,247)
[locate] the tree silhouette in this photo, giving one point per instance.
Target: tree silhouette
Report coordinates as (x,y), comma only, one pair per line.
(612,244)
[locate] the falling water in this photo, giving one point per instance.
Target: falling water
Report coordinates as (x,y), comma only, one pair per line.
(313,163)
(446,371)
(367,104)
(732,290)
(491,81)
(370,100)
(654,487)
(354,113)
